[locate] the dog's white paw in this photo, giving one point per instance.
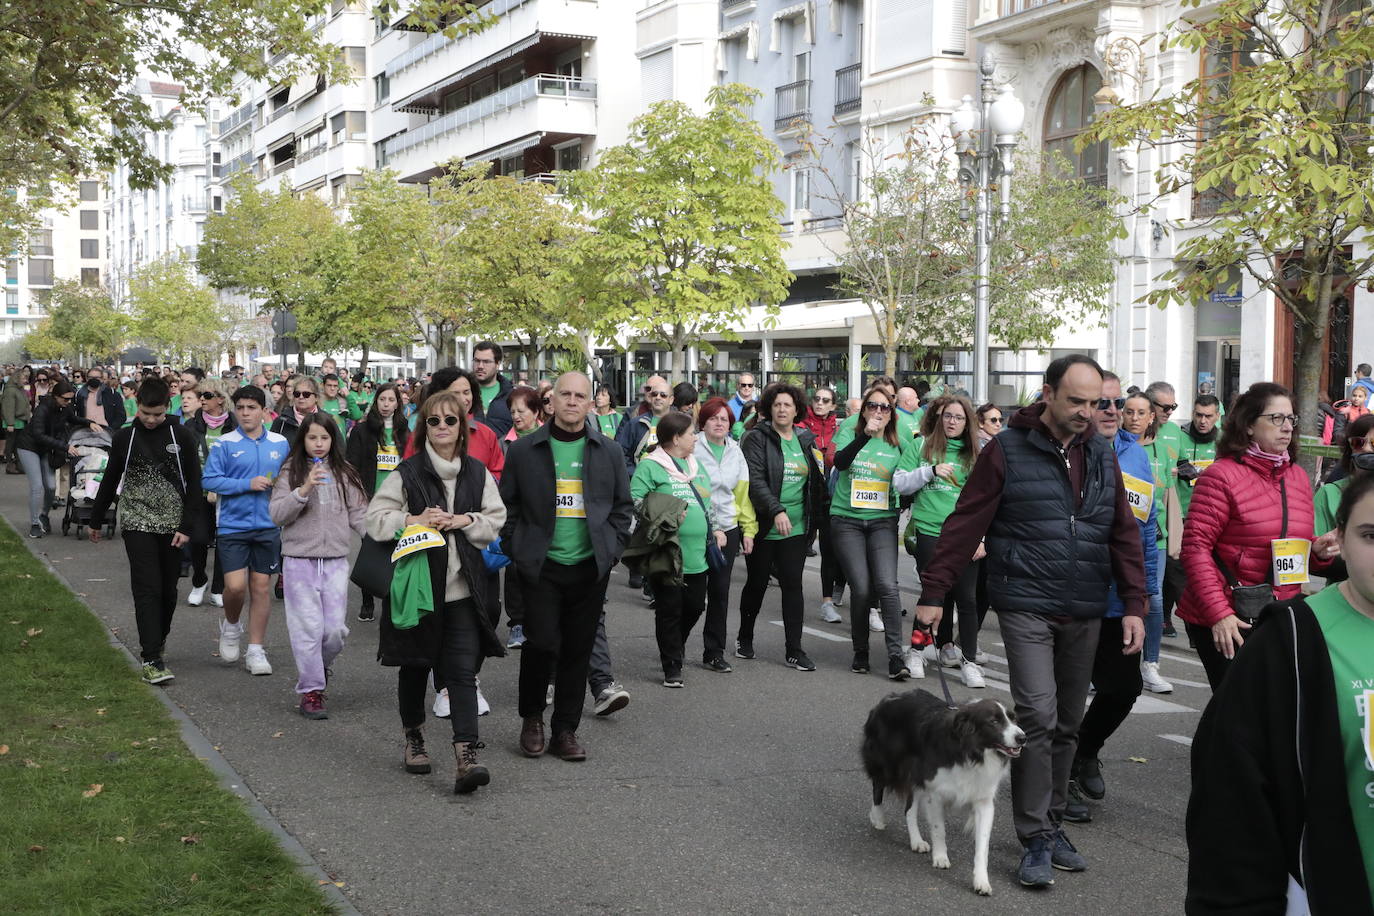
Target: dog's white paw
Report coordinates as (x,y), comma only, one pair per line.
(982,887)
(940,861)
(875,817)
(920,846)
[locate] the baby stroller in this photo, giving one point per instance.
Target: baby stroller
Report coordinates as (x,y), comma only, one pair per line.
(87,469)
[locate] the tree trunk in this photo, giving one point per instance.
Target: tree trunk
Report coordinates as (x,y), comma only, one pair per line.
(363,367)
(1310,345)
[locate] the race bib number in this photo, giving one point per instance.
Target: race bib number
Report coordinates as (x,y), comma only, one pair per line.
(1201,464)
(387,459)
(651,439)
(1139,494)
(567,499)
(414,539)
(1290,560)
(868,494)
(819,457)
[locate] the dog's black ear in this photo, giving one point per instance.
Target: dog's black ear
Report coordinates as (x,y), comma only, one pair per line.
(964,726)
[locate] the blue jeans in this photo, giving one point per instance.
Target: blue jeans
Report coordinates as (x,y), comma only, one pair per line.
(41,484)
(1154,627)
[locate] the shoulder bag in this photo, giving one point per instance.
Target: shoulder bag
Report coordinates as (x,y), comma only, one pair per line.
(1249,601)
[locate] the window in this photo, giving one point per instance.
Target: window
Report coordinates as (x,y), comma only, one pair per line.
(217,203)
(90,220)
(512,166)
(90,249)
(801,66)
(656,77)
(90,190)
(854,170)
(12,302)
(381,88)
(90,276)
(338,188)
(570,158)
(356,59)
(39,300)
(40,243)
(801,189)
(12,271)
(571,68)
(1070,111)
(510,76)
(1218,63)
(40,272)
(348,125)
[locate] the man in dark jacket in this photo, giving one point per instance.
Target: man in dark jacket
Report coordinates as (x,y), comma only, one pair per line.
(98,404)
(638,434)
(1048,497)
(493,387)
(568,517)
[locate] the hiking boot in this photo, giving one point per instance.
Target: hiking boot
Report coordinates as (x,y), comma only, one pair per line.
(1065,857)
(1036,869)
(415,757)
(532,742)
(155,672)
(1087,772)
(565,747)
(312,705)
(468,773)
(612,699)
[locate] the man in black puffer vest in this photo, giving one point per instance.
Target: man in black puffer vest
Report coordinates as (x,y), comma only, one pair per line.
(1046,496)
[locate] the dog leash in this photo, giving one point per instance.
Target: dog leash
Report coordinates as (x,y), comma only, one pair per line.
(929,640)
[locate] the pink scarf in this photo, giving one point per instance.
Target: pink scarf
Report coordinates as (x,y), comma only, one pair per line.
(1278,460)
(664,460)
(213,422)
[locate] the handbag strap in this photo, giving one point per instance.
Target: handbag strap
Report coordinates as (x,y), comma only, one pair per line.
(691,485)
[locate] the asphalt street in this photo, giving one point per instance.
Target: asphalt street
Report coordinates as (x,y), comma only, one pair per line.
(741,793)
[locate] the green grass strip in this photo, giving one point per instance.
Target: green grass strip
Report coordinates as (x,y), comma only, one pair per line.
(104,810)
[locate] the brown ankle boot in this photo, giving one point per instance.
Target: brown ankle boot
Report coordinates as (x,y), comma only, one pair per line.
(469,774)
(416,757)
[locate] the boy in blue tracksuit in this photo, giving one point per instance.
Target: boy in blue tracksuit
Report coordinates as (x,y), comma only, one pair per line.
(1116,676)
(241,467)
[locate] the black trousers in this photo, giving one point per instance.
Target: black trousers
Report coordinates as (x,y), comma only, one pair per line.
(461,648)
(1117,679)
(964,596)
(515,598)
(562,608)
(200,554)
(1213,662)
(832,574)
(788,556)
(677,608)
(718,600)
(154,567)
(1175,580)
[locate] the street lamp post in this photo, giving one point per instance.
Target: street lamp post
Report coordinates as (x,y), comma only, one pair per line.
(985,137)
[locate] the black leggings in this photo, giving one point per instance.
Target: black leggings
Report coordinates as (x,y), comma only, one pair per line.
(964,596)
(1213,662)
(788,555)
(199,557)
(832,574)
(1117,680)
(462,646)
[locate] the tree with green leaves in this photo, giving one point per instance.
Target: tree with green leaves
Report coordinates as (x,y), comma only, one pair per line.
(174,314)
(68,71)
(85,322)
(39,343)
(906,247)
(1276,143)
(685,224)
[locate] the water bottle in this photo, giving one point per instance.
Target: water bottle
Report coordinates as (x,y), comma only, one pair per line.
(320,461)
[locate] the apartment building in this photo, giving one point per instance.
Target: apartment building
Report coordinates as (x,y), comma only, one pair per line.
(68,244)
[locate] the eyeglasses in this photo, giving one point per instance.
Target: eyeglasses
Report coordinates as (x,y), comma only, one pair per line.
(447,421)
(1118,403)
(1167,408)
(304,394)
(1281,419)
(881,408)
(660,394)
(1358,443)
(952,416)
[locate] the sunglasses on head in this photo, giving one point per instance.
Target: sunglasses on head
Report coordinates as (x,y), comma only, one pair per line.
(447,421)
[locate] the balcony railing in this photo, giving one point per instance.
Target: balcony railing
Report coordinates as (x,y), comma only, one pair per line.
(284,110)
(792,102)
(238,164)
(439,40)
(242,116)
(726,4)
(545,84)
(282,168)
(307,155)
(1011,7)
(847,94)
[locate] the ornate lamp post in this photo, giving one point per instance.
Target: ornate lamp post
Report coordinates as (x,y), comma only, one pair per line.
(985,137)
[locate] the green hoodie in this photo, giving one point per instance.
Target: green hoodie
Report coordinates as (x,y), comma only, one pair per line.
(935,501)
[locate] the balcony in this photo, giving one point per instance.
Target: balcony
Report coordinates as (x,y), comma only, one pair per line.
(1020,21)
(791,103)
(238,164)
(539,106)
(240,117)
(280,113)
(283,167)
(1012,7)
(847,93)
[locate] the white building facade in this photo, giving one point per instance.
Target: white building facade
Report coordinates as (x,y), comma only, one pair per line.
(68,244)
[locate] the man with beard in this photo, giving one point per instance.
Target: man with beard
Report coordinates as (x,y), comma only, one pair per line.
(1197,449)
(492,387)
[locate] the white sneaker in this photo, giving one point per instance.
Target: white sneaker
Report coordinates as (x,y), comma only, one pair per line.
(197,596)
(839,596)
(875,621)
(915,663)
(483,707)
(1149,675)
(229,636)
(256,660)
(980,657)
(972,674)
(216,600)
(441,708)
(931,654)
(950,656)
(829,614)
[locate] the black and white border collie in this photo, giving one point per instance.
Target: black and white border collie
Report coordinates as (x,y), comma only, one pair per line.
(932,756)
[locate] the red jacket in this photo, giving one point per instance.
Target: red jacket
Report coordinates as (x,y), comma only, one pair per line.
(823,428)
(1237,509)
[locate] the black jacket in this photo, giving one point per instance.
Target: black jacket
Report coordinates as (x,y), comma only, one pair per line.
(1269,795)
(48,429)
(422,644)
(109,399)
(286,425)
(762,447)
(497,413)
(527,488)
(361,450)
(175,452)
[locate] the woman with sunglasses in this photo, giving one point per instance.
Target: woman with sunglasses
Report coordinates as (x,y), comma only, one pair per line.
(823,421)
(304,395)
(948,448)
(214,418)
(874,464)
(41,441)
(989,422)
(1250,528)
(1358,441)
(375,445)
(445,489)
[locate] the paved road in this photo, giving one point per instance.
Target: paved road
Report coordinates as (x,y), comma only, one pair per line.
(741,793)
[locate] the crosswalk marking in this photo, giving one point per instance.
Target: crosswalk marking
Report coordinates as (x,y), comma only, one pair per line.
(819,634)
(1179,739)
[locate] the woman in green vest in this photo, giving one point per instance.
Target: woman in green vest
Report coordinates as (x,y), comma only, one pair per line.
(948,447)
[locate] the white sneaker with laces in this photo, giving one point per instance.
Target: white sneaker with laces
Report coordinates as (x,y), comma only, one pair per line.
(931,654)
(256,660)
(875,621)
(915,663)
(1149,676)
(972,674)
(980,657)
(829,614)
(441,708)
(229,636)
(950,656)
(483,707)
(197,596)
(216,600)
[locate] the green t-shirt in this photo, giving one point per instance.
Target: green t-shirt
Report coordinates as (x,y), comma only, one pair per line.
(1201,454)
(1326,502)
(1164,464)
(908,424)
(651,477)
(358,404)
(489,393)
(864,489)
(936,500)
(335,408)
(174,406)
(795,467)
(130,408)
(572,542)
(1349,639)
(607,424)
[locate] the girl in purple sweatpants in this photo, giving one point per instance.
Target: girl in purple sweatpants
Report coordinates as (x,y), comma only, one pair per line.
(318,501)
